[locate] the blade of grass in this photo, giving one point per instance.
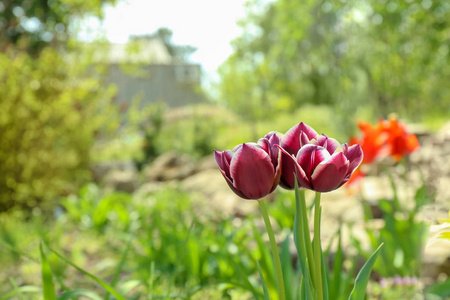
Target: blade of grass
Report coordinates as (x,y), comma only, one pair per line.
(22,289)
(47,277)
(169,289)
(16,288)
(120,266)
(150,280)
(96,279)
(85,293)
(359,289)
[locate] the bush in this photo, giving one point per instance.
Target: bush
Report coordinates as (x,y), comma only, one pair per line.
(50,113)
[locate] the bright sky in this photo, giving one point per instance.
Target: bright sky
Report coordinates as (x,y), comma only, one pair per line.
(209,25)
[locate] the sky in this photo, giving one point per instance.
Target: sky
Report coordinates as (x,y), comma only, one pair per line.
(208,25)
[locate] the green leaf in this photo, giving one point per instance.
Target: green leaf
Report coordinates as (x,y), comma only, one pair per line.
(47,277)
(337,268)
(359,289)
(287,269)
(263,282)
(441,289)
(266,264)
(96,279)
(303,243)
(308,289)
(298,234)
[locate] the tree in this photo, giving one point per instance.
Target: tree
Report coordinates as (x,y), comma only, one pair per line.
(34,24)
(383,56)
(53,104)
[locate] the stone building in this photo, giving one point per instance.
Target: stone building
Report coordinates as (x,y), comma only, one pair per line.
(144,68)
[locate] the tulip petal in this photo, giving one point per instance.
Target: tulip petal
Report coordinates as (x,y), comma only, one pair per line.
(291,161)
(252,171)
(291,140)
(329,174)
(303,139)
(264,143)
(328,143)
(277,169)
(355,156)
(219,155)
(310,156)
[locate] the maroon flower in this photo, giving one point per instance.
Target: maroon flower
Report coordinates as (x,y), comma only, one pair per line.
(291,142)
(323,164)
(252,170)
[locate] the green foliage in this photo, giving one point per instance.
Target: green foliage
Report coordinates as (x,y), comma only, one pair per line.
(91,209)
(382,56)
(50,114)
(192,130)
(32,25)
(166,245)
(404,236)
(192,254)
(359,290)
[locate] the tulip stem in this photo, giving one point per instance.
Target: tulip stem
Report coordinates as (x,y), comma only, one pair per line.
(317,248)
(274,248)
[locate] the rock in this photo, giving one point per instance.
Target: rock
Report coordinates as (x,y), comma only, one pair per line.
(216,194)
(169,166)
(121,180)
(101,170)
(206,163)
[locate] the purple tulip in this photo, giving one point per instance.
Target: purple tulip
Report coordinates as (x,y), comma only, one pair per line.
(291,142)
(324,165)
(252,170)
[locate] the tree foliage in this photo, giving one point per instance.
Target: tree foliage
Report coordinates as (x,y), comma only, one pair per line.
(385,55)
(50,113)
(53,102)
(34,24)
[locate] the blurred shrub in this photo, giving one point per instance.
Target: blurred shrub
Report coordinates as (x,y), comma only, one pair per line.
(151,130)
(50,113)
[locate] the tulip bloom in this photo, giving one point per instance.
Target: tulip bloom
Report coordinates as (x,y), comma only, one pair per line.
(399,141)
(372,142)
(292,141)
(324,165)
(252,170)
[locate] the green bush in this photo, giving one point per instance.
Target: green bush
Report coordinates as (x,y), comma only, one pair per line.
(50,113)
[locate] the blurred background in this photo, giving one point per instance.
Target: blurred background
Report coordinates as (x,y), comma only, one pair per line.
(110,111)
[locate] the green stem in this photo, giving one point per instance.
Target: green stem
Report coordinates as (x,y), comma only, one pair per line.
(317,250)
(274,247)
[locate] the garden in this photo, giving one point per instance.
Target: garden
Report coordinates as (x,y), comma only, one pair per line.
(317,168)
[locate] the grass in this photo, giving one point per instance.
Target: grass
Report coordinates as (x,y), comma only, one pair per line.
(162,250)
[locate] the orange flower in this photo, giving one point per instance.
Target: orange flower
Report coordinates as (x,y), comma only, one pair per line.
(399,142)
(372,141)
(387,138)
